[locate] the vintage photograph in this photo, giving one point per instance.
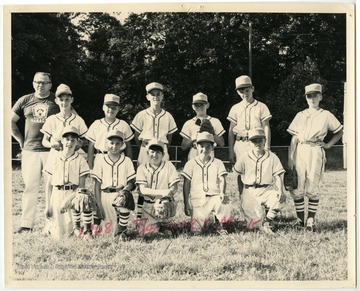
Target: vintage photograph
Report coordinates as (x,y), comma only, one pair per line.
(188,145)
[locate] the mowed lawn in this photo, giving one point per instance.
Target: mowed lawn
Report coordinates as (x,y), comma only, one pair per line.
(241,255)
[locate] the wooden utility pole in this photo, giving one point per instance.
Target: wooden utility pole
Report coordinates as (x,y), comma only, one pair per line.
(250,53)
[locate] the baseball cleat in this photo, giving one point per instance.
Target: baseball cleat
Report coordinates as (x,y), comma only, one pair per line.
(310,224)
(298,224)
(23,230)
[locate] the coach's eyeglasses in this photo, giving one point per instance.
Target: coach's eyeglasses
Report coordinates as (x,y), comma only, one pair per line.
(41,83)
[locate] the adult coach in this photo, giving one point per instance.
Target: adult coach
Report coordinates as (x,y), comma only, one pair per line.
(34,108)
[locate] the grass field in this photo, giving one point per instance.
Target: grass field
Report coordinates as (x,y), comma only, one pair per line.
(289,255)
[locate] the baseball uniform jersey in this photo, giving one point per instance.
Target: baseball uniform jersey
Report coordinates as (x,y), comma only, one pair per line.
(99,128)
(205,190)
(310,158)
(55,124)
(246,117)
(163,177)
(190,130)
(112,175)
(258,171)
(150,126)
(63,171)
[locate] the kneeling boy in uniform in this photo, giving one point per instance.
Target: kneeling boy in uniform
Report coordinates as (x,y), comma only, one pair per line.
(258,167)
(205,185)
(156,179)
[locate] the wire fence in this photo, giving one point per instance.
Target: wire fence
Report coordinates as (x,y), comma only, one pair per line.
(334,156)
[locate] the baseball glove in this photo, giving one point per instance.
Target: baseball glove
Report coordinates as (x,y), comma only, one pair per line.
(84,200)
(164,207)
(290,180)
(207,126)
(124,199)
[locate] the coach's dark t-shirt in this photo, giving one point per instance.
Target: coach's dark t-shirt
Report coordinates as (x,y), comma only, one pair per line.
(35,111)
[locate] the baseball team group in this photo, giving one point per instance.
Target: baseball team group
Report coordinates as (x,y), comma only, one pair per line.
(54,134)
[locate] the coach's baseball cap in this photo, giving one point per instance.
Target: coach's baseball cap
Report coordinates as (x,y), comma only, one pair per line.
(243,82)
(156,144)
(111,99)
(117,133)
(200,98)
(256,133)
(205,137)
(63,89)
(70,129)
(152,86)
(313,88)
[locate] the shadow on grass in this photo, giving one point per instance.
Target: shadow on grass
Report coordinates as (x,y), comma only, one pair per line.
(322,226)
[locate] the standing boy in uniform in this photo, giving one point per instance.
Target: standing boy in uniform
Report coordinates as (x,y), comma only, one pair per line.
(243,116)
(191,127)
(67,171)
(152,123)
(113,172)
(35,108)
(205,185)
(257,169)
(99,129)
(306,152)
(156,179)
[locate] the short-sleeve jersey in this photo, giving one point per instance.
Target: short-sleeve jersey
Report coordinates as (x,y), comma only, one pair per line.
(314,127)
(163,177)
(66,170)
(113,174)
(204,178)
(151,126)
(190,128)
(99,128)
(248,116)
(261,170)
(35,111)
(55,124)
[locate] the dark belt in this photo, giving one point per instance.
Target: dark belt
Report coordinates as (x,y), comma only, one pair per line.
(149,201)
(242,138)
(212,195)
(311,143)
(66,187)
(101,152)
(110,190)
(256,186)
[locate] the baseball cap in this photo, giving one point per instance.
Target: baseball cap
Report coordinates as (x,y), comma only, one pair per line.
(205,137)
(111,99)
(70,129)
(117,133)
(152,86)
(156,143)
(313,88)
(200,98)
(256,133)
(63,89)
(242,82)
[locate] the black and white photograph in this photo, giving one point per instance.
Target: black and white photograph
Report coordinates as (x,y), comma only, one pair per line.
(179,145)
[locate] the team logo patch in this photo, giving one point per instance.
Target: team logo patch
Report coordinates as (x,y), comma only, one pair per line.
(40,112)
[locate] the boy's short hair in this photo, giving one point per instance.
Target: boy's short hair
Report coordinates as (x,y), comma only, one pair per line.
(156,145)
